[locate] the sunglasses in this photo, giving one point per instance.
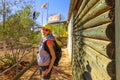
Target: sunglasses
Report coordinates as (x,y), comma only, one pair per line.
(44,29)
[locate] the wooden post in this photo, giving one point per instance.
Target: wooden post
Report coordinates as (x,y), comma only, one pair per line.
(117,38)
(17,76)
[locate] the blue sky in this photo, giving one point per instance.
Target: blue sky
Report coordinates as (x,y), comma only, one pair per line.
(55,6)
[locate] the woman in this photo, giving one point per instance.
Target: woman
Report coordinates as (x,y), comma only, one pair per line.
(45,59)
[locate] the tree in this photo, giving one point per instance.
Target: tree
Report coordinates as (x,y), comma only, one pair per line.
(17,24)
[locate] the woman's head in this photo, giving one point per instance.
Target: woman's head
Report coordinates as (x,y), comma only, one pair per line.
(46,29)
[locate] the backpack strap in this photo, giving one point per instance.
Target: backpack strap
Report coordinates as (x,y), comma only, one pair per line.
(46,47)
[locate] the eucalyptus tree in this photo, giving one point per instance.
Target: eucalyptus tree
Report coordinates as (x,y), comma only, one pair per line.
(20,23)
(15,12)
(15,21)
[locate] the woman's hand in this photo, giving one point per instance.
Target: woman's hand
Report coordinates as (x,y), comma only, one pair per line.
(46,72)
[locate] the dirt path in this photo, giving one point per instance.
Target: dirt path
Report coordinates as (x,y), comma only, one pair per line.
(61,72)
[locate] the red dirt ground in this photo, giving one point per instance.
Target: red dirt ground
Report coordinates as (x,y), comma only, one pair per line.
(61,72)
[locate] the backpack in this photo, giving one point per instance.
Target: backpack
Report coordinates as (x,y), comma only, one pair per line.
(58,52)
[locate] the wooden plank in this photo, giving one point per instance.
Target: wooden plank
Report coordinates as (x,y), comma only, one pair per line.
(101,19)
(96,10)
(71,9)
(99,59)
(93,75)
(83,4)
(110,2)
(98,32)
(94,70)
(110,67)
(18,75)
(117,38)
(10,67)
(110,70)
(103,47)
(77,6)
(75,2)
(90,4)
(100,73)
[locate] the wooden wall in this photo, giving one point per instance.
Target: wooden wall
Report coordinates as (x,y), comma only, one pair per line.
(93,40)
(117,38)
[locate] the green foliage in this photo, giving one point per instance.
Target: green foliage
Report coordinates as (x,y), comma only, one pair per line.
(1,61)
(1,64)
(59,29)
(19,24)
(10,59)
(35,37)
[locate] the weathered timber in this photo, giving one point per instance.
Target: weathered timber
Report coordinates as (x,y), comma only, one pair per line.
(104,63)
(77,6)
(110,70)
(99,20)
(83,4)
(110,32)
(72,8)
(89,5)
(24,70)
(11,67)
(99,59)
(103,47)
(100,73)
(98,32)
(117,38)
(90,68)
(93,75)
(98,9)
(110,2)
(93,40)
(75,3)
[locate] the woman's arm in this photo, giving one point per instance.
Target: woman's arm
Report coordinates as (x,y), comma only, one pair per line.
(53,56)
